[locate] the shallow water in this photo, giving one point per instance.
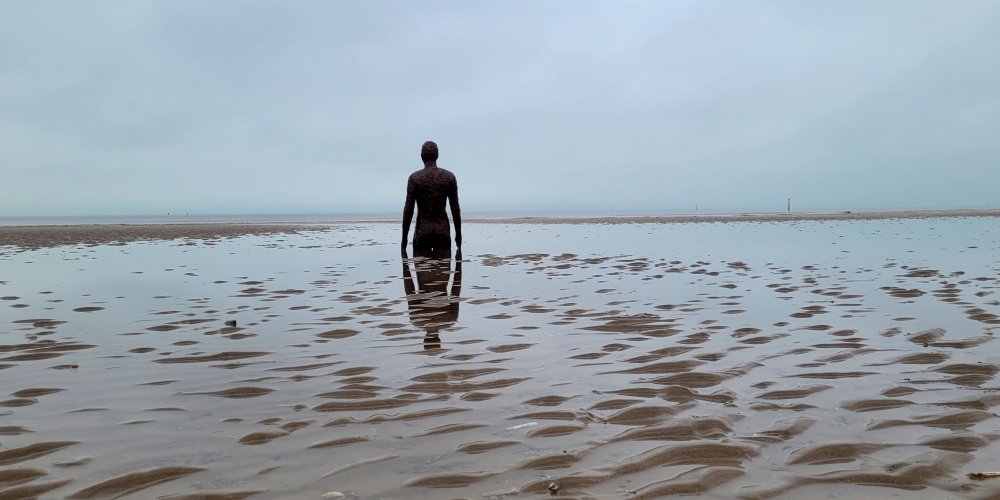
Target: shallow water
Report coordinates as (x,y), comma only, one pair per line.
(804,359)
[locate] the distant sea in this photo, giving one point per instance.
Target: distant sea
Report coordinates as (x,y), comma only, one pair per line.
(62,220)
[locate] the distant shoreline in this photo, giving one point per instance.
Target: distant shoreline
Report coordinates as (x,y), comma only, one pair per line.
(745,217)
(482,218)
(28,237)
(278,224)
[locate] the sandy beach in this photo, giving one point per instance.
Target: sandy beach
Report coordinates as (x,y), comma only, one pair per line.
(771,356)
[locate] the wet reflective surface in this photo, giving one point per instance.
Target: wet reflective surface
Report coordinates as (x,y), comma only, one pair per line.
(752,360)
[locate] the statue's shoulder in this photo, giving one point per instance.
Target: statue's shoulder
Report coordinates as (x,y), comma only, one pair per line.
(447,173)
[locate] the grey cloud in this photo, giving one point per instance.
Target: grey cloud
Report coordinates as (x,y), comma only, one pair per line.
(322,106)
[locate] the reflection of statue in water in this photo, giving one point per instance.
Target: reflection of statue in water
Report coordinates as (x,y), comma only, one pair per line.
(428,189)
(433,304)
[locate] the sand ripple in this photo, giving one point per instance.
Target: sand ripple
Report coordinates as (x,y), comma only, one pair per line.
(131,483)
(24,453)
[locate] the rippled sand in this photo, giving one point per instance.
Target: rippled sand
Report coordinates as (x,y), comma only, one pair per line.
(746,360)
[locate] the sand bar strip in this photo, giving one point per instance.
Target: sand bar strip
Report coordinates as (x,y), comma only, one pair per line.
(715,217)
(745,217)
(35,237)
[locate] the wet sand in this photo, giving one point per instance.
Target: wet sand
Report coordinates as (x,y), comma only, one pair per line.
(35,237)
(796,359)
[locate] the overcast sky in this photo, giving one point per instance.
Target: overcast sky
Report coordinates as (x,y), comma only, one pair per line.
(138,107)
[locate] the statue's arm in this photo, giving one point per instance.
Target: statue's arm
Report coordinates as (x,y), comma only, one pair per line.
(408,211)
(456,211)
